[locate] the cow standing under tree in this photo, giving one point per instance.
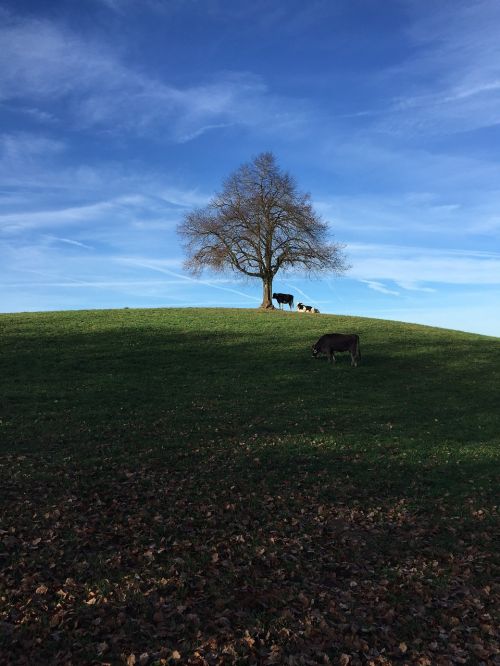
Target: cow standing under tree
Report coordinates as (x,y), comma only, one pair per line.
(258,224)
(338,342)
(284,299)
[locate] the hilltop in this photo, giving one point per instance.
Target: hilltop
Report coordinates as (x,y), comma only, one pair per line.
(192,484)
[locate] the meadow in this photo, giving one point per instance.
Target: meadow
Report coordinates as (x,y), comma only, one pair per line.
(190,486)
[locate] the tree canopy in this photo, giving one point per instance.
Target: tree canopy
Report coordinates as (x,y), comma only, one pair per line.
(257,225)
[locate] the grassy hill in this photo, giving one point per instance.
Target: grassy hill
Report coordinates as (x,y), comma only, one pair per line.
(192,485)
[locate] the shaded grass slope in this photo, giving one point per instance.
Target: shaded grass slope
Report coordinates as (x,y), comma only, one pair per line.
(190,486)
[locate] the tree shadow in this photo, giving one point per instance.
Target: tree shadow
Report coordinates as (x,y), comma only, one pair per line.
(221,380)
(228,495)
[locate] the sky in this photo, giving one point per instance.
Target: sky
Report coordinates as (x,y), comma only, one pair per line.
(118,117)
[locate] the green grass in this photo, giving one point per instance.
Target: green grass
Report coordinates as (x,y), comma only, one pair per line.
(134,430)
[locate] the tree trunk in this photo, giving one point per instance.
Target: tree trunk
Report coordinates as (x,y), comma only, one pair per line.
(267,301)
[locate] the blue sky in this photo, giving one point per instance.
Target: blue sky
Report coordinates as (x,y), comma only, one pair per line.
(118,116)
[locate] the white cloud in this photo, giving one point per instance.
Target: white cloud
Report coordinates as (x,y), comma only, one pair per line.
(23,147)
(378,286)
(454,210)
(39,188)
(414,286)
(15,222)
(42,62)
(161,267)
(160,210)
(69,241)
(457,56)
(95,284)
(293,285)
(187,198)
(415,267)
(121,6)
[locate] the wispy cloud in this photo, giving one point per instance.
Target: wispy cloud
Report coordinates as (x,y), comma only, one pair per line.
(14,222)
(22,147)
(69,241)
(414,268)
(160,266)
(160,6)
(459,199)
(293,285)
(42,62)
(452,82)
(132,210)
(38,185)
(70,283)
(292,18)
(186,198)
(378,286)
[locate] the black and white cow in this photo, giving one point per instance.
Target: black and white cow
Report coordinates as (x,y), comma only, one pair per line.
(307,308)
(338,342)
(286,299)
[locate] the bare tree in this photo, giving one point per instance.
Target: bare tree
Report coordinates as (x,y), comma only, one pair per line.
(258,224)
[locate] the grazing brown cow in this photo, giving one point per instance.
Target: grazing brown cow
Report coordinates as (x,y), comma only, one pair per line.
(338,342)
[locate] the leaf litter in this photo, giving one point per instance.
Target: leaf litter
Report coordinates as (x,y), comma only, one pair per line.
(169,563)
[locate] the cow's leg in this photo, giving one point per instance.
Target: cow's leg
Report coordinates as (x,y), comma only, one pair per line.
(354,361)
(331,357)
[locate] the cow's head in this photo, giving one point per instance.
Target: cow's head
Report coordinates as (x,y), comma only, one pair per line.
(315,352)
(274,295)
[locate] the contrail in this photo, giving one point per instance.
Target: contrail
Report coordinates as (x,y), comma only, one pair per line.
(292,286)
(186,277)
